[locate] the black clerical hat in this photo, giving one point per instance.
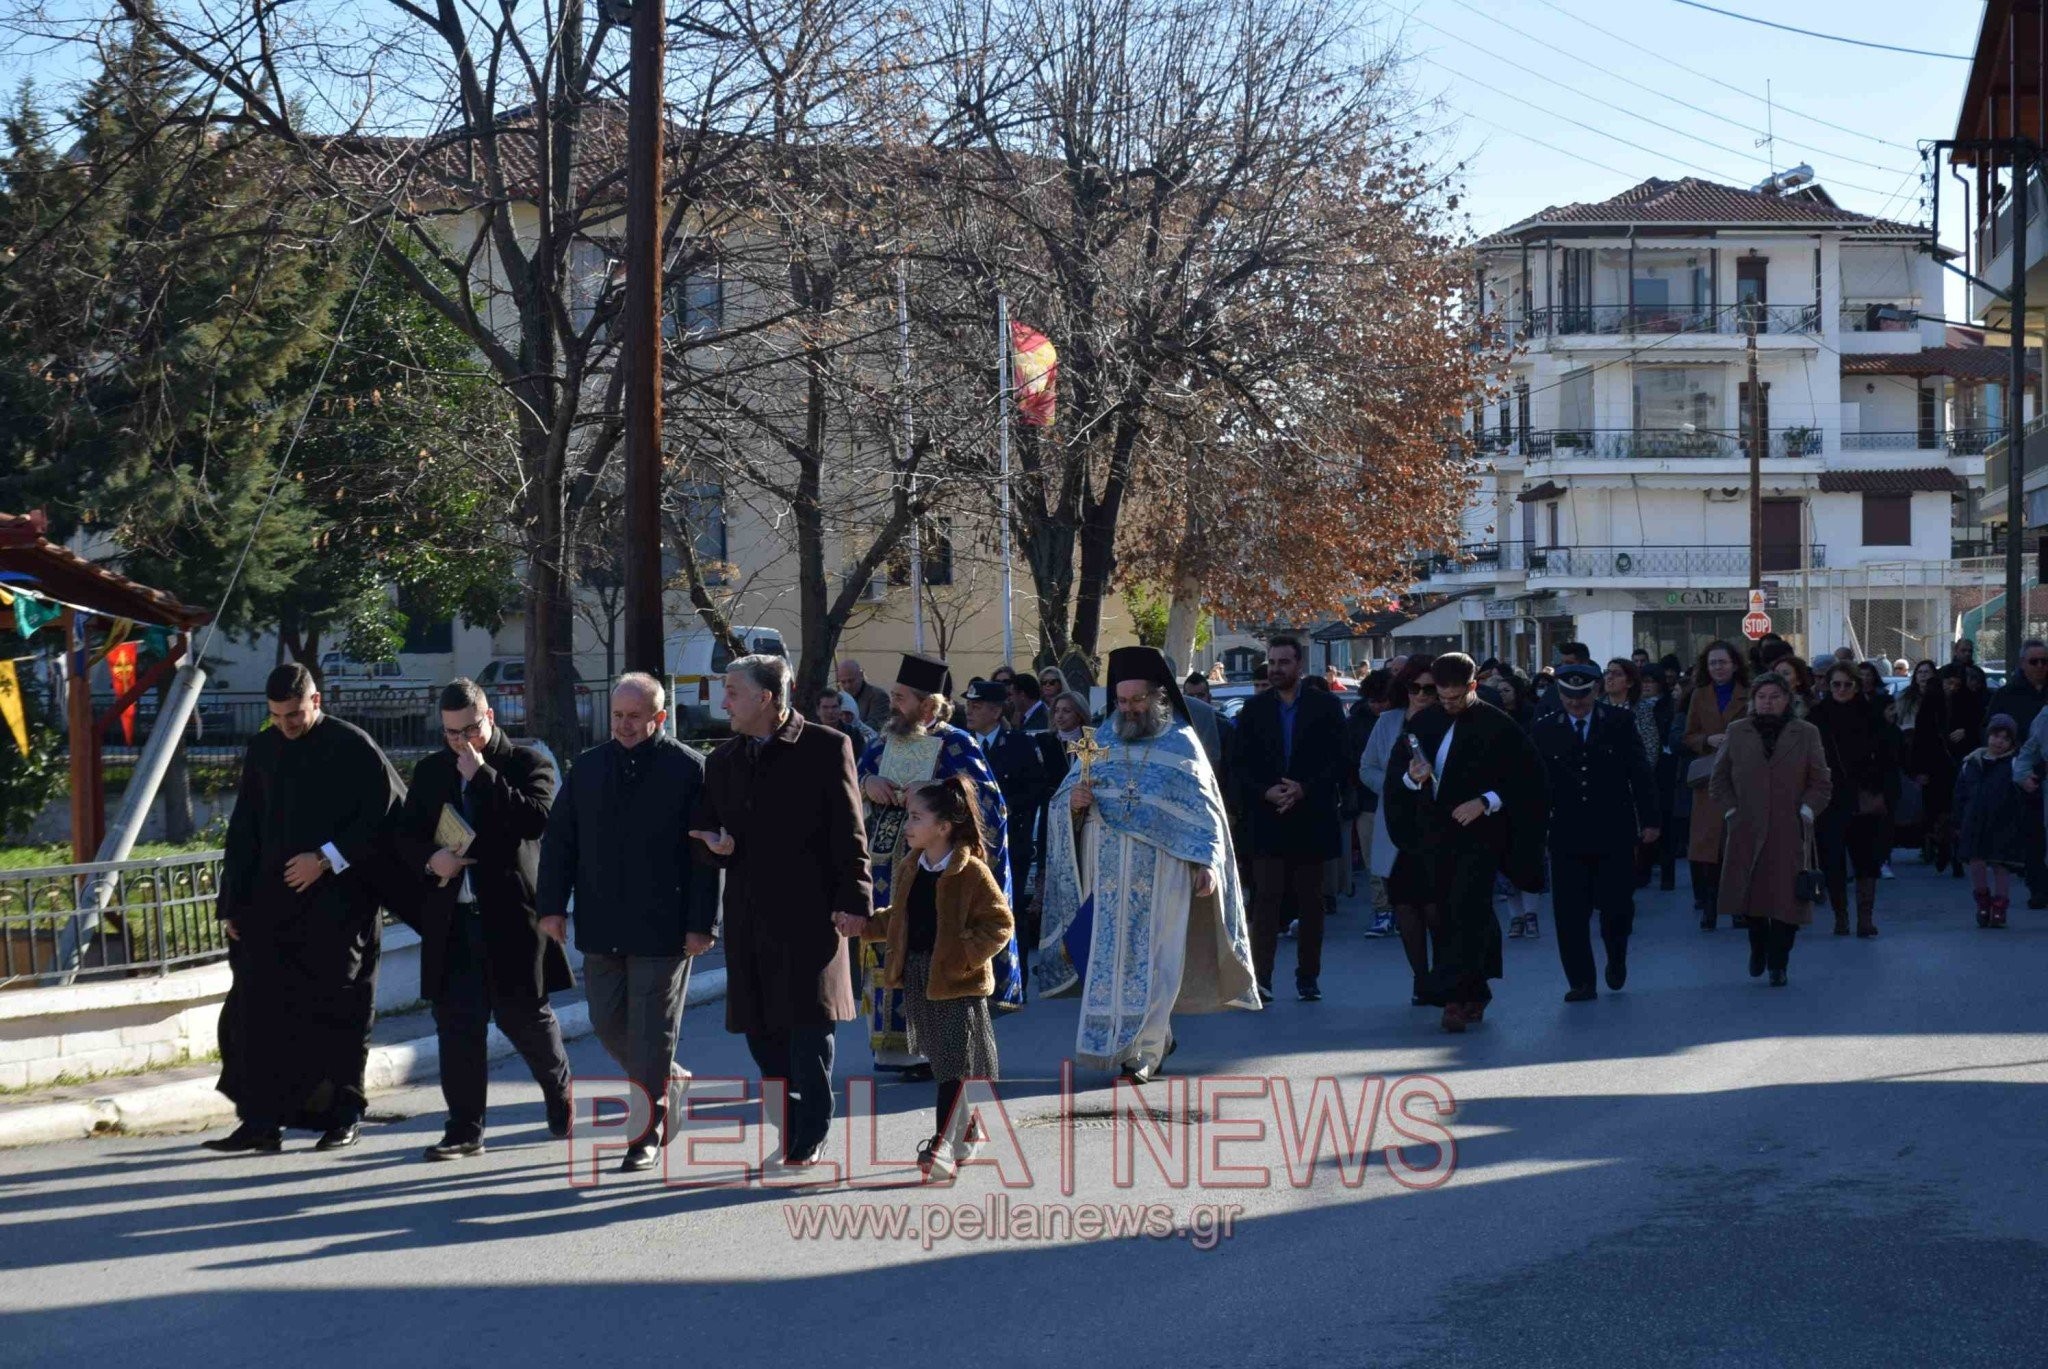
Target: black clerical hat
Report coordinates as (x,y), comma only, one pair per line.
(925,674)
(1148,664)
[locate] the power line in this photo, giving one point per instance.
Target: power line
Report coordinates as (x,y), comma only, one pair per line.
(1827,37)
(1726,85)
(1601,132)
(1532,138)
(1664,95)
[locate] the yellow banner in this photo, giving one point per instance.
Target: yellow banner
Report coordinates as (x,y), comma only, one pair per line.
(10,705)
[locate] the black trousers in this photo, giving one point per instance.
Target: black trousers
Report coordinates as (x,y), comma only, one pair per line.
(462,1019)
(1774,939)
(1285,887)
(1579,885)
(1848,839)
(802,1058)
(1468,950)
(636,1005)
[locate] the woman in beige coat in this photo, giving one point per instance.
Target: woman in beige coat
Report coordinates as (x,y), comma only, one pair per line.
(1720,695)
(1770,780)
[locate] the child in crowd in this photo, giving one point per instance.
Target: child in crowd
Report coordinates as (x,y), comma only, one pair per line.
(946,923)
(1991,820)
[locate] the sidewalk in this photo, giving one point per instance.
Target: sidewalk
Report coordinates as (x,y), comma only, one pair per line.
(403,1052)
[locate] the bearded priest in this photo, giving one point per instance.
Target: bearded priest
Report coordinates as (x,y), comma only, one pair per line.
(1143,911)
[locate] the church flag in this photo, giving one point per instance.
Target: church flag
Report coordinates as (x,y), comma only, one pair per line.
(11,707)
(1034,375)
(121,665)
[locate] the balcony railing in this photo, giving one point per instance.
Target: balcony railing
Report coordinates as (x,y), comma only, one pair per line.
(1475,558)
(1618,319)
(1600,563)
(1654,444)
(1889,314)
(2034,450)
(1949,442)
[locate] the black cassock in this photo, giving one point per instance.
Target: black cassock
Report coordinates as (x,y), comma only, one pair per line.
(1489,751)
(295,1029)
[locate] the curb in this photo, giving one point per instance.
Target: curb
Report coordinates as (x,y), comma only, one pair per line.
(189,1102)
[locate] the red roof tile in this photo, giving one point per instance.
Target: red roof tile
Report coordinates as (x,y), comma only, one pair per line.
(1693,202)
(1935,479)
(1963,363)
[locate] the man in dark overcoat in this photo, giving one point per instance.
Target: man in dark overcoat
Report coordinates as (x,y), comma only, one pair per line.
(645,900)
(1288,758)
(781,813)
(482,953)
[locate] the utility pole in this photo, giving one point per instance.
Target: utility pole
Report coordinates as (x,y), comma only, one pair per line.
(1754,422)
(2016,414)
(641,354)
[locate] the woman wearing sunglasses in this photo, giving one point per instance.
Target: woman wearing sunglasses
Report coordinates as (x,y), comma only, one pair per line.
(1863,767)
(1413,690)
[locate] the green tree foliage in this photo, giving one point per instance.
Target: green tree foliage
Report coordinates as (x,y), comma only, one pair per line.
(163,278)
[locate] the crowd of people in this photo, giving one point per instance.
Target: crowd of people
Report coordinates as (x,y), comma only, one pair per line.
(931,858)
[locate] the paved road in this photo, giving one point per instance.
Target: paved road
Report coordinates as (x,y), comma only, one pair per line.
(1700,1170)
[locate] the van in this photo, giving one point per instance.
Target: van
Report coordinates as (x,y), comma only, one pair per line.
(696,663)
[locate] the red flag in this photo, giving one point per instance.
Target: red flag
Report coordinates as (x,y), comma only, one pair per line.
(121,665)
(1034,375)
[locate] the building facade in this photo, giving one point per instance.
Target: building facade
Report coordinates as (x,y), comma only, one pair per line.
(1614,503)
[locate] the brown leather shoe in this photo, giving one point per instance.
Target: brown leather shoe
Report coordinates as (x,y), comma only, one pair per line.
(1475,1013)
(1454,1017)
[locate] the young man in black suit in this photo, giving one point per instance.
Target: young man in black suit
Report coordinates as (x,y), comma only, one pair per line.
(482,953)
(1470,802)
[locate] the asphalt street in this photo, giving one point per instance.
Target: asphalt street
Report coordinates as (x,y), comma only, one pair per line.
(1697,1170)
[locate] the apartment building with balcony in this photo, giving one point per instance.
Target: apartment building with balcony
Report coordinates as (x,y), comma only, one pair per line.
(1612,506)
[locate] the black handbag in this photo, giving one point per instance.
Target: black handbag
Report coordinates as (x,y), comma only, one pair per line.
(1808,886)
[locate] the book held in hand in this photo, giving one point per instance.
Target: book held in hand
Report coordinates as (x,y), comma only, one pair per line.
(453,831)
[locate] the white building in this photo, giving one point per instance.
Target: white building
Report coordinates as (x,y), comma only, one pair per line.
(1614,504)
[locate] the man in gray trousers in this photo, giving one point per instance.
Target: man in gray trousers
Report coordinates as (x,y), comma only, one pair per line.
(618,840)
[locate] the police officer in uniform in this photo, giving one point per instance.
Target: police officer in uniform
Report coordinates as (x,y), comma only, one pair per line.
(1603,801)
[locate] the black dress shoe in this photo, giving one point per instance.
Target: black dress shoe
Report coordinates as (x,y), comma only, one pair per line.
(639,1156)
(448,1148)
(1308,991)
(339,1138)
(1758,957)
(1777,979)
(558,1117)
(1617,969)
(1584,994)
(918,1073)
(247,1140)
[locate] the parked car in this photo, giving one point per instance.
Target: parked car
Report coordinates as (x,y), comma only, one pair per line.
(504,682)
(697,663)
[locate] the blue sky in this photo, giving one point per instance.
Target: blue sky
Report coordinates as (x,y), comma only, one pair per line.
(1509,102)
(1511,90)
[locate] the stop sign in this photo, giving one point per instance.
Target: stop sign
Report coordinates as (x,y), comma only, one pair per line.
(1755,625)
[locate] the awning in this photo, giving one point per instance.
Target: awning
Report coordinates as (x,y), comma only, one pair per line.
(1445,620)
(29,561)
(1549,489)
(1993,364)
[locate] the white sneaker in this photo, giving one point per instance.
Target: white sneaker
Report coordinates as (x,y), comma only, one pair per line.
(974,1143)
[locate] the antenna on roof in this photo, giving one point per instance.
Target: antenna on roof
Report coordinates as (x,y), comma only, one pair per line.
(1769,141)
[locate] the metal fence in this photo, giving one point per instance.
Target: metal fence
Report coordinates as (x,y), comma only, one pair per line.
(160,918)
(1594,562)
(1656,444)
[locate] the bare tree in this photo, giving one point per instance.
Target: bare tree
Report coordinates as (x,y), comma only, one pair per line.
(1149,178)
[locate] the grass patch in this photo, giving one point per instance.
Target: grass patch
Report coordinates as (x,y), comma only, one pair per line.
(72,1081)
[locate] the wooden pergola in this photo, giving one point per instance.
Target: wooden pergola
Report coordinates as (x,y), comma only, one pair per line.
(84,590)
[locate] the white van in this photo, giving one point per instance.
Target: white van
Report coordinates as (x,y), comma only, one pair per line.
(696,669)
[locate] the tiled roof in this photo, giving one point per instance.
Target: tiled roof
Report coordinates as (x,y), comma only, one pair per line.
(29,561)
(1693,202)
(1935,479)
(1963,363)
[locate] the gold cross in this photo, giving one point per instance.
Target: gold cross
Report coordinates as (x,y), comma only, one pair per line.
(1087,751)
